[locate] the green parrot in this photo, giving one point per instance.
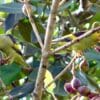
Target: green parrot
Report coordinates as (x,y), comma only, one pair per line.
(10,48)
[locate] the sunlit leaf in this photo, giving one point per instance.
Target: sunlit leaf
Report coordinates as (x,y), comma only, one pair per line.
(48,79)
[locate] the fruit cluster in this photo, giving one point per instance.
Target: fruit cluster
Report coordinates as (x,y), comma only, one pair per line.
(75,86)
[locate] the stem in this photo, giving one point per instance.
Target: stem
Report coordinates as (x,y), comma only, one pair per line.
(73,70)
(47,44)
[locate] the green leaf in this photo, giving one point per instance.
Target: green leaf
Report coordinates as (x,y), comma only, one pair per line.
(40,27)
(65,5)
(82,77)
(12,20)
(92,84)
(11,7)
(5,1)
(33,75)
(25,29)
(91,55)
(10,73)
(95,18)
(47,80)
(59,90)
(31,50)
(22,91)
(95,8)
(87,80)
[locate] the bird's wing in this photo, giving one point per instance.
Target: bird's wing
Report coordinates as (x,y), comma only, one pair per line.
(15,45)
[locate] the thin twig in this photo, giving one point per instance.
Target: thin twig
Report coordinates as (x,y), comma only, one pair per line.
(60,39)
(73,70)
(62,72)
(91,31)
(27,10)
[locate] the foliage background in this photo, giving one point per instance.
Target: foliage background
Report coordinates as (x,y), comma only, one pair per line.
(14,22)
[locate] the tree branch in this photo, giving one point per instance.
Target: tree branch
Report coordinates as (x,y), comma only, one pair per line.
(91,31)
(47,44)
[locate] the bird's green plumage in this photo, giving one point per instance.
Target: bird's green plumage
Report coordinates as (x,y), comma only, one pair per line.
(82,44)
(8,46)
(87,42)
